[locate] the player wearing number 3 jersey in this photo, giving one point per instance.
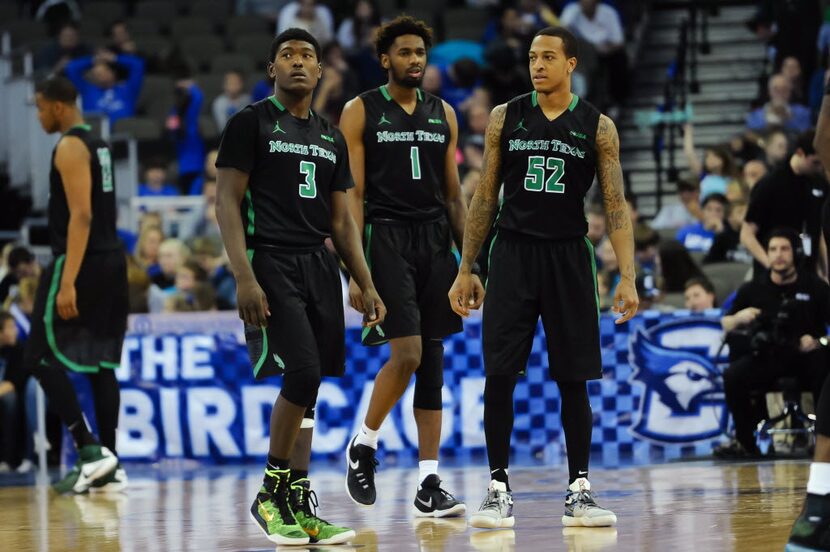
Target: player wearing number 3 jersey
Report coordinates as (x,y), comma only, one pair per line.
(545,148)
(283,173)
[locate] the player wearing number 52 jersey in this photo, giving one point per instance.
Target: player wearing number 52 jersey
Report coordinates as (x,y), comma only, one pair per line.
(407,198)
(283,173)
(80,311)
(544,148)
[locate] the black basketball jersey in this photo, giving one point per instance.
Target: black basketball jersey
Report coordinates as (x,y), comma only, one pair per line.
(405,157)
(102,233)
(547,168)
(294,165)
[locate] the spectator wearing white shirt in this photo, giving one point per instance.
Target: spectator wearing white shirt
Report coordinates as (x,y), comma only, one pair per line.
(357,30)
(600,25)
(310,16)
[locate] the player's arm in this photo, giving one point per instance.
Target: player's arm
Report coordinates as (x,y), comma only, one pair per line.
(346,240)
(617,219)
(480,216)
(231,185)
(72,162)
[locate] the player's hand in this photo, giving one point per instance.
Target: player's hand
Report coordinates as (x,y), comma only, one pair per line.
(67,302)
(808,343)
(466,293)
(625,301)
(375,310)
(252,303)
(356,297)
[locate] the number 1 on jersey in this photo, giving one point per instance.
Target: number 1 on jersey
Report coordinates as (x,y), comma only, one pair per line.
(308,189)
(415,157)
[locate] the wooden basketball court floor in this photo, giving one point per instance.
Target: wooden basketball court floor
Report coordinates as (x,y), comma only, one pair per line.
(700,506)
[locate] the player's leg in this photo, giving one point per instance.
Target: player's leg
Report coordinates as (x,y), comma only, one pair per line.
(510,316)
(570,316)
(106,396)
(431,500)
(811,530)
(324,300)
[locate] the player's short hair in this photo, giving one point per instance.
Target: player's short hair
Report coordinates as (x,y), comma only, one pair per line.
(569,43)
(57,89)
(294,34)
(401,25)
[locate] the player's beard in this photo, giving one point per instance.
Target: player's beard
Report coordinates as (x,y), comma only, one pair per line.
(405,80)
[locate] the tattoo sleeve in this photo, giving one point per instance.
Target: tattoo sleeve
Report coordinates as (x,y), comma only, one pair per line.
(610,177)
(485,201)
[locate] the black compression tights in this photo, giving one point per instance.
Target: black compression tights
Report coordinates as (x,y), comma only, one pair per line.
(576,417)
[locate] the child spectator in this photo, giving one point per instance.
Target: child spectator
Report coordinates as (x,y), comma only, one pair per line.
(700,235)
(155,181)
(699,294)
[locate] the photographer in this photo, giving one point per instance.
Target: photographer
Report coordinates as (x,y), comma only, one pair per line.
(773,328)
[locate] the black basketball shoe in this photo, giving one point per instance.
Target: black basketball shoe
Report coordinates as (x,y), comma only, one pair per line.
(811,531)
(360,473)
(433,501)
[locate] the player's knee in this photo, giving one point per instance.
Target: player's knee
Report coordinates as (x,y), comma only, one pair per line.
(406,361)
(301,387)
(428,391)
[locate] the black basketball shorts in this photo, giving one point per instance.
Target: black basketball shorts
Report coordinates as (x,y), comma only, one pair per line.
(555,280)
(93,340)
(413,268)
(306,328)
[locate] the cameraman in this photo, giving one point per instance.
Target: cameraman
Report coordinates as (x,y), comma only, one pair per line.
(774,327)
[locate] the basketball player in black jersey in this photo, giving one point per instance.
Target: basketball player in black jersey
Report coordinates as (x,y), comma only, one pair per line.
(811,531)
(545,148)
(402,144)
(80,312)
(283,172)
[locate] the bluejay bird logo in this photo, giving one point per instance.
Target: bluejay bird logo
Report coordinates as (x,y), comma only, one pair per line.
(682,398)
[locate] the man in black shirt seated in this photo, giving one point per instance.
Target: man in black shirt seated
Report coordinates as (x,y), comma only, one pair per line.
(776,326)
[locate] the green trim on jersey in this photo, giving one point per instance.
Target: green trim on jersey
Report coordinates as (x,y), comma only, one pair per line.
(385,93)
(264,354)
(82,126)
(49,320)
(110,365)
(250,254)
(490,258)
(367,232)
(574,101)
(534,100)
(276,102)
(419,94)
(250,227)
(593,270)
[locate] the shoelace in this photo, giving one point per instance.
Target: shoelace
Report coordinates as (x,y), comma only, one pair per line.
(307,501)
(279,497)
(491,501)
(583,497)
(369,475)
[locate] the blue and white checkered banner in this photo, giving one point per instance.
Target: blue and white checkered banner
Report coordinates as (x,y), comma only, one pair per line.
(187,391)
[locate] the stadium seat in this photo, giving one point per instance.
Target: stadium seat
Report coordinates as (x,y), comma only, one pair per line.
(465,23)
(432,6)
(726,277)
(139,26)
(201,49)
(156,97)
(150,45)
(8,12)
(211,85)
(676,300)
(227,62)
(255,46)
(241,25)
(190,26)
(216,11)
(207,128)
(156,9)
(140,128)
(23,31)
(105,12)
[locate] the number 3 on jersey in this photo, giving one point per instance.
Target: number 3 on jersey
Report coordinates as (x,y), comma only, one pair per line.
(308,189)
(535,179)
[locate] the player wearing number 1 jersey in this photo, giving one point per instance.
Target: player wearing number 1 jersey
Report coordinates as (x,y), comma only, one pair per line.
(545,147)
(402,145)
(283,173)
(80,311)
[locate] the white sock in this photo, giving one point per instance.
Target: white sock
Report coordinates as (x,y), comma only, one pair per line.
(368,437)
(426,468)
(819,482)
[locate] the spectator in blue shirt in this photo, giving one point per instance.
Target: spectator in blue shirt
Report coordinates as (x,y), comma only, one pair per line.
(96,79)
(155,181)
(183,123)
(778,111)
(700,235)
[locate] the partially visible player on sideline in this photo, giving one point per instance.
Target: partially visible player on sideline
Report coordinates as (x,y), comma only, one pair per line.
(80,312)
(811,530)
(283,172)
(544,148)
(402,144)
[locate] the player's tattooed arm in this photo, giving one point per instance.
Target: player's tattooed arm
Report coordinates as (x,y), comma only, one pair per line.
(618,220)
(485,201)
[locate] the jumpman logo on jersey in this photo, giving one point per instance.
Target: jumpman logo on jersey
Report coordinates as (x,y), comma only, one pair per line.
(278,129)
(384,120)
(520,126)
